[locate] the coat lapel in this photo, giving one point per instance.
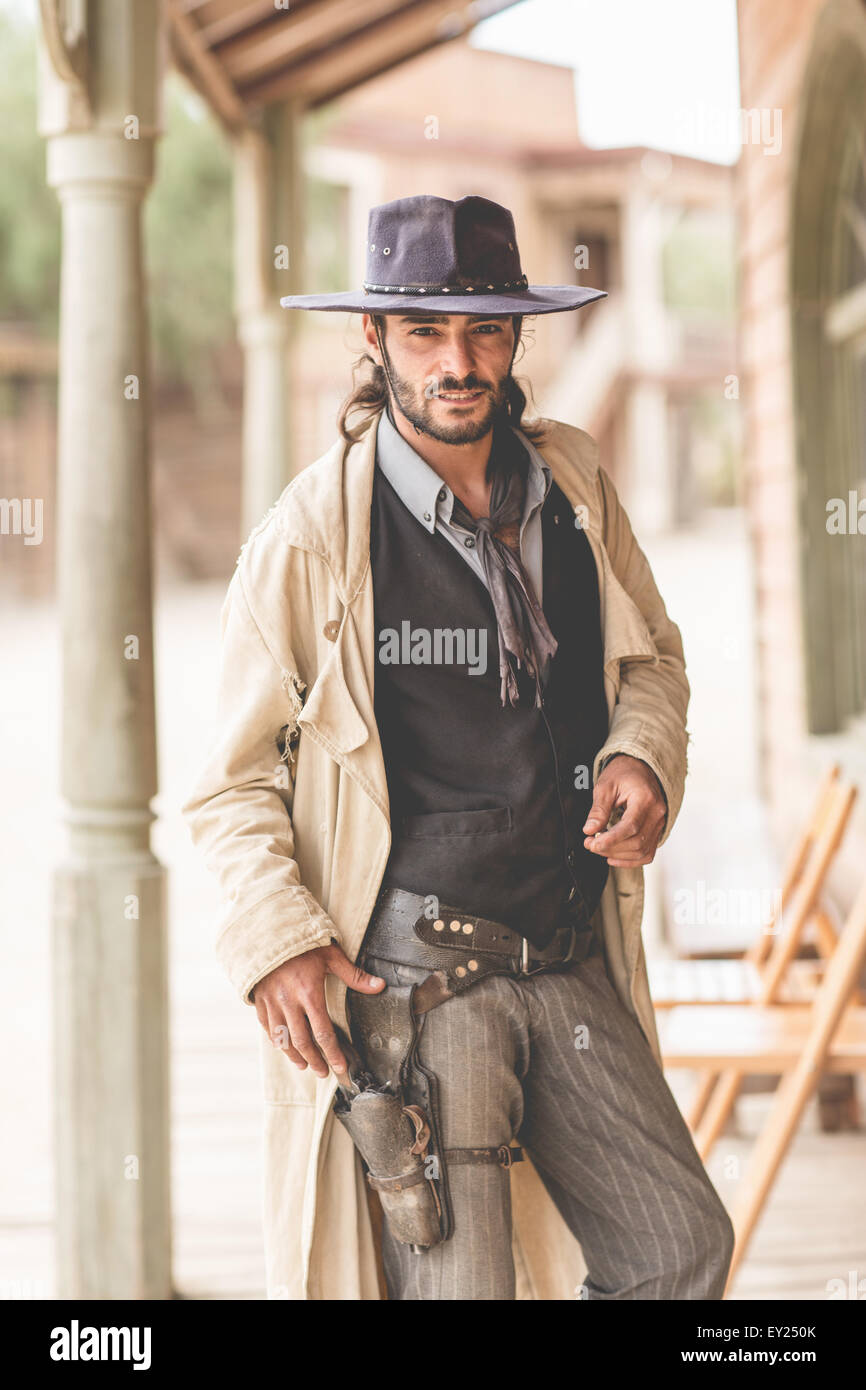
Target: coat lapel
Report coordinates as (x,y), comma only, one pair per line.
(334,521)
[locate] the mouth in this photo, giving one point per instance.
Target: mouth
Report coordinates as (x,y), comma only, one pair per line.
(460,397)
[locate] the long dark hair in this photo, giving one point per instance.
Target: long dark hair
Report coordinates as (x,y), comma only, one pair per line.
(369,395)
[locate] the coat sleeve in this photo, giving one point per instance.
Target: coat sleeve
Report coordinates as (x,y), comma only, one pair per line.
(649,717)
(238,812)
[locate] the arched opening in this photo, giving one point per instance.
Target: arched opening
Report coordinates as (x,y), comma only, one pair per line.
(828,306)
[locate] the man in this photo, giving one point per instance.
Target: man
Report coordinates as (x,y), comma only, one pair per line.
(451,733)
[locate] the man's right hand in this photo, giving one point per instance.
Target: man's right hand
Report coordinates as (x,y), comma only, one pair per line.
(290,1004)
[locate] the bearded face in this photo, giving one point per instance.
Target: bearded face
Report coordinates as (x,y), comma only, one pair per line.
(449,374)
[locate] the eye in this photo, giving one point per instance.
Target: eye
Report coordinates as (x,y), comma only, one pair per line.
(487,328)
(423,329)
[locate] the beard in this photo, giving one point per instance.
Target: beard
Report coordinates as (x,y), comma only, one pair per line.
(418,405)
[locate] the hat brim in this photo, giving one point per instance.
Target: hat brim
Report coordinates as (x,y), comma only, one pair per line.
(536,299)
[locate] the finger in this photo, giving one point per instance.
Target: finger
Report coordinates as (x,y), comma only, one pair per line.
(278,1031)
(635,822)
(618,860)
(281,1038)
(621,846)
(603,800)
(294,1056)
(302,1041)
(639,850)
(606,840)
(325,1038)
(351,975)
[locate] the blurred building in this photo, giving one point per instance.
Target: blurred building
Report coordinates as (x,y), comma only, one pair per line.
(643,370)
(801,199)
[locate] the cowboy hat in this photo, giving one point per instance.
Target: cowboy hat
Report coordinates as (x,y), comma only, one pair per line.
(431,254)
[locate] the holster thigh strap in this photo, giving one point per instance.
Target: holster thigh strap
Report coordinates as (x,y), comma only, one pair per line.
(505,1155)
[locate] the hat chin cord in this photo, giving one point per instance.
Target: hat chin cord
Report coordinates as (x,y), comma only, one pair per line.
(417,428)
(384,357)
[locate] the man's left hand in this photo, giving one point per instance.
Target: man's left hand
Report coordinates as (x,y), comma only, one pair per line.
(628,783)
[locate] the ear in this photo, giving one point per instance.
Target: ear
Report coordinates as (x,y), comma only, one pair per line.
(370,338)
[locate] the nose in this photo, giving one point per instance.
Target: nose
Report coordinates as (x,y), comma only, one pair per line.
(457,358)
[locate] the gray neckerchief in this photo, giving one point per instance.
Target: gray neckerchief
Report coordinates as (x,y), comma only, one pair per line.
(524,636)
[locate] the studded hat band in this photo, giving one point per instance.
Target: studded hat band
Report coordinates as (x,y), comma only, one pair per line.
(520,284)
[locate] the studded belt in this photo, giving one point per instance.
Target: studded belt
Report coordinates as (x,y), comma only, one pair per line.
(460,948)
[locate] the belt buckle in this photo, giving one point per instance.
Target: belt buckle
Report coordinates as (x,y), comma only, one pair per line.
(505,1157)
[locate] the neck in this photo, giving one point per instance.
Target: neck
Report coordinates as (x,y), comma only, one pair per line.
(462,466)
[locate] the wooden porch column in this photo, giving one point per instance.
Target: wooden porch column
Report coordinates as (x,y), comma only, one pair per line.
(651,472)
(99,109)
(268,246)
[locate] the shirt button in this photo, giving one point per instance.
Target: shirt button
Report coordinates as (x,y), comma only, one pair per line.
(469,542)
(442,494)
(427,516)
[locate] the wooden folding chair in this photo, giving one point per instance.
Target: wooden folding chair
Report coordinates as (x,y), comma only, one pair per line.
(797,1042)
(769,971)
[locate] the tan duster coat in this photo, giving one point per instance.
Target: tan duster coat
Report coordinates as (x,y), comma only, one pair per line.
(299,838)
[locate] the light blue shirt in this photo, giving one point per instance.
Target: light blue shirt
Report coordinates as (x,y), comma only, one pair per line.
(431,501)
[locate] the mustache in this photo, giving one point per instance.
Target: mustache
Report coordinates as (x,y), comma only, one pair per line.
(469,383)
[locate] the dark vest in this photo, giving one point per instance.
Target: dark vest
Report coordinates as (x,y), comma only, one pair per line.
(485,810)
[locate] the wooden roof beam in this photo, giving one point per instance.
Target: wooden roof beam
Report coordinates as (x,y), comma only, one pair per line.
(289,35)
(373,48)
(203,69)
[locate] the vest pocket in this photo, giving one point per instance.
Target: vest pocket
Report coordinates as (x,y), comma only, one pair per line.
(451,824)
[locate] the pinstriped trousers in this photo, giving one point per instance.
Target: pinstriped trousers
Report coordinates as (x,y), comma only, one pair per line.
(555,1062)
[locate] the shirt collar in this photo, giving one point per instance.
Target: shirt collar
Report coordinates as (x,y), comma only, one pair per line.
(538,476)
(411,477)
(423,492)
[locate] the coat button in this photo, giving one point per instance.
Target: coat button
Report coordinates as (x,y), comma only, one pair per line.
(331,629)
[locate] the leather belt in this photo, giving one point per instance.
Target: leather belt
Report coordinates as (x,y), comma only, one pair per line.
(460,947)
